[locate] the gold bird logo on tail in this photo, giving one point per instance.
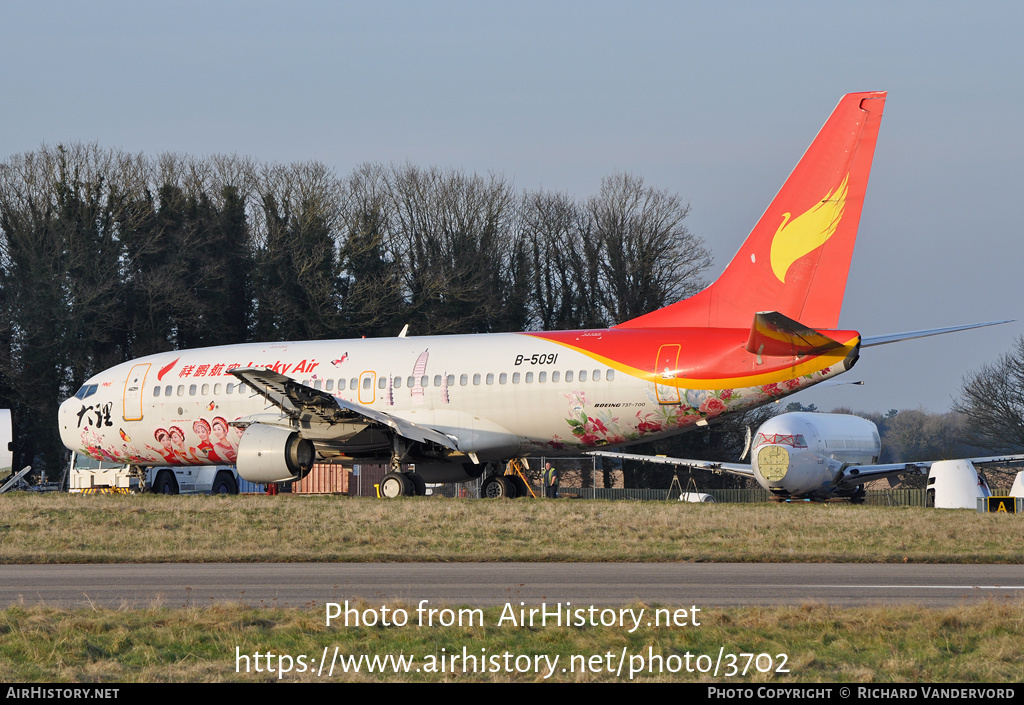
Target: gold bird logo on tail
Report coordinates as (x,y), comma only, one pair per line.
(808,231)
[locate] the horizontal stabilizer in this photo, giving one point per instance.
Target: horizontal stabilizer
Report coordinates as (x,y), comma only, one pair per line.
(867,342)
(776,335)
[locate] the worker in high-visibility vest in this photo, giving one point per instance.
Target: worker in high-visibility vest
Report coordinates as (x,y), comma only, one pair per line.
(550,481)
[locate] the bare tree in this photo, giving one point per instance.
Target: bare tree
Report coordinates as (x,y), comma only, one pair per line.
(992,400)
(454,236)
(297,261)
(566,262)
(650,258)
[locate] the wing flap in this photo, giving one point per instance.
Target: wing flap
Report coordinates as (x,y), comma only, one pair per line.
(313,406)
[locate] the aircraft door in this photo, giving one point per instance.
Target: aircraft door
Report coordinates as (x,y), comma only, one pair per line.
(133,386)
(665,368)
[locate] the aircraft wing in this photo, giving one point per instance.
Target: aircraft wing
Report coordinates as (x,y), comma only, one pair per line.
(854,475)
(313,406)
(714,466)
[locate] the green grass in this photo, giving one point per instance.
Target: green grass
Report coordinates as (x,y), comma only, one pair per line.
(60,528)
(971,643)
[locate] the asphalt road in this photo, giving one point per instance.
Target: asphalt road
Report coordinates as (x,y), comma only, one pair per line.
(481,584)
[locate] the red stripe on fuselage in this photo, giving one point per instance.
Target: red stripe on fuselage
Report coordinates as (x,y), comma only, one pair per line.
(707,354)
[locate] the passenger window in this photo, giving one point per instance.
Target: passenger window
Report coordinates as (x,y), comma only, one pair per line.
(156,391)
(554,377)
(490,378)
(181,390)
(503,378)
(167,390)
(206,389)
(411,382)
(398,382)
(353,384)
(609,375)
(463,380)
(542,377)
(191,390)
(216,388)
(451,380)
(568,376)
(367,382)
(382,382)
(329,385)
(437,380)
(341,385)
(583,375)
(515,378)
(529,378)
(424,381)
(317,384)
(476,378)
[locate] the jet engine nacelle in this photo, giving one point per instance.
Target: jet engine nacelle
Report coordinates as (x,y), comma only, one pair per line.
(273,454)
(1017,490)
(955,484)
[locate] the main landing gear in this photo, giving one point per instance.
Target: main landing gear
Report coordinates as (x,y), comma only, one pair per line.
(510,485)
(402,484)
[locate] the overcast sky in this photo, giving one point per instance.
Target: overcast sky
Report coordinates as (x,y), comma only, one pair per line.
(714,101)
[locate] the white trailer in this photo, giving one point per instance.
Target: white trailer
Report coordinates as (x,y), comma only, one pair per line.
(86,475)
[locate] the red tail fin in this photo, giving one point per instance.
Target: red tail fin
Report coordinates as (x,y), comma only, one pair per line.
(796,259)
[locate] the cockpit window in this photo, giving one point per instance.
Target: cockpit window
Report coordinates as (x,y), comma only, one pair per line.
(794,440)
(87,390)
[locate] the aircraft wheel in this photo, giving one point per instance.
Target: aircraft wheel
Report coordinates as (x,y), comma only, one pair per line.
(395,484)
(497,487)
(165,483)
(522,490)
(419,485)
(224,483)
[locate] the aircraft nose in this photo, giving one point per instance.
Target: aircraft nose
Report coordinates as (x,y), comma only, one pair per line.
(67,419)
(772,464)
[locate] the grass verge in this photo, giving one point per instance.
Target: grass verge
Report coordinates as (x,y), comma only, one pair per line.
(61,528)
(973,643)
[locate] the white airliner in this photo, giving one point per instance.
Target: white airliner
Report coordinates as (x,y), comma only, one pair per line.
(817,456)
(455,406)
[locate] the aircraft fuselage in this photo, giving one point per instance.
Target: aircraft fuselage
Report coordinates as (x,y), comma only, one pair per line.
(500,395)
(803,454)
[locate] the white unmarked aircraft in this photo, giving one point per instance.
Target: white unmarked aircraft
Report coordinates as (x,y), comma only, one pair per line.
(817,456)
